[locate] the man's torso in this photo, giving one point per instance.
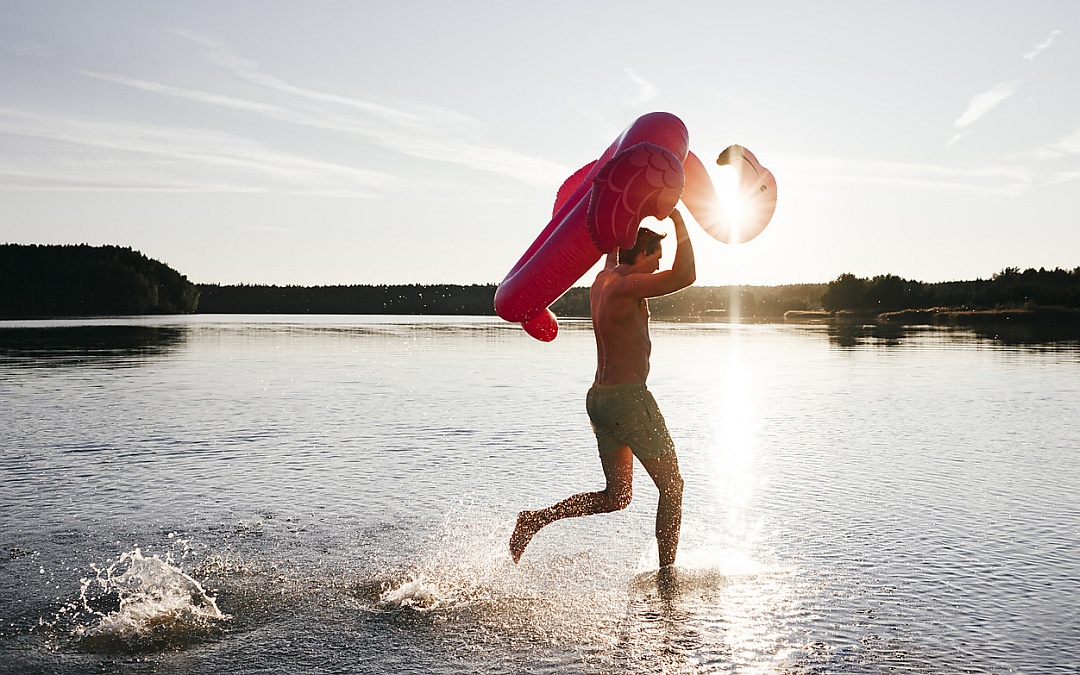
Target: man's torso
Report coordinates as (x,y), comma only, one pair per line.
(621,326)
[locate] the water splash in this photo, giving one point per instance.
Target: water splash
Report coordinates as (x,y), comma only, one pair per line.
(464,568)
(464,580)
(141,602)
(414,593)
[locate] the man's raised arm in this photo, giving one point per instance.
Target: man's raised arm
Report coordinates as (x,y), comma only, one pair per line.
(681,274)
(683,268)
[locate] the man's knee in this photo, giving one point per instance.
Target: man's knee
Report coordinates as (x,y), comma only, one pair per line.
(620,497)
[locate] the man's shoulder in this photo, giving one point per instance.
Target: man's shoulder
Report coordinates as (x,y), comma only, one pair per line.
(623,281)
(607,280)
(619,292)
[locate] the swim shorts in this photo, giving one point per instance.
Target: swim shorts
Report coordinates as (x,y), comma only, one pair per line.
(627,414)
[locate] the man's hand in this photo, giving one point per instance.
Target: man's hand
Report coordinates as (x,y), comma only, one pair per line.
(676,217)
(681,235)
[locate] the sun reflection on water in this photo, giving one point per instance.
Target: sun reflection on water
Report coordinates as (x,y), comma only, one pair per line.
(733,450)
(748,613)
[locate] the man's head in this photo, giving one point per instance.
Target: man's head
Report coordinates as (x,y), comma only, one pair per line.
(647,243)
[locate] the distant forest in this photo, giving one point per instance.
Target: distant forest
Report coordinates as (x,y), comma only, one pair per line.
(401,299)
(1010,289)
(479,300)
(43,281)
(763,302)
(50,281)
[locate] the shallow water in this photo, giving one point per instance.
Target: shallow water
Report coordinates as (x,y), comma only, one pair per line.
(334,494)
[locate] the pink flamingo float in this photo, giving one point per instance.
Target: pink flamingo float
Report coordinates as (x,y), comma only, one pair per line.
(645,172)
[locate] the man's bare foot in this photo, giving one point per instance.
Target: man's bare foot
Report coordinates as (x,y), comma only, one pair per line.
(524,530)
(667,582)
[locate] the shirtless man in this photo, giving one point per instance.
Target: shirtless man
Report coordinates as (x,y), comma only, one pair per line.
(623,413)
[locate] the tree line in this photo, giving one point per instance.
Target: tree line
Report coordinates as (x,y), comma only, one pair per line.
(763,302)
(388,299)
(1010,289)
(479,300)
(82,280)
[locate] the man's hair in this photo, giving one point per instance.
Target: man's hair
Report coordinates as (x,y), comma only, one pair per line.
(647,242)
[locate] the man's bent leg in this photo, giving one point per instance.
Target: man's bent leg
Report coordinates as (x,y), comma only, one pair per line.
(619,474)
(664,471)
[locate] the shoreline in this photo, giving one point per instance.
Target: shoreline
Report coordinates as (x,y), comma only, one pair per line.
(942,316)
(937,316)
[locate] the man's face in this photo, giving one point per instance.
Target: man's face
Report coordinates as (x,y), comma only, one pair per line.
(652,260)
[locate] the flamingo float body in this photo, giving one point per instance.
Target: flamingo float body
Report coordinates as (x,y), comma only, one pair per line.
(644,173)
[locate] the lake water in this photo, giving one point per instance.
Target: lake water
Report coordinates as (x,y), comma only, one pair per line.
(335,494)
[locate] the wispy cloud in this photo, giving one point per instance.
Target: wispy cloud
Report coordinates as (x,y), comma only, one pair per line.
(996,179)
(986,101)
(412,128)
(609,119)
(1039,48)
(247,69)
(146,156)
(1063,177)
(126,156)
(981,104)
(291,113)
(1060,158)
(646,90)
(1068,144)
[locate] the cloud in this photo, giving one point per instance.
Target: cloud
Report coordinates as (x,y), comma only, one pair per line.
(1068,144)
(248,70)
(1063,177)
(139,157)
(646,90)
(985,102)
(957,137)
(981,104)
(142,156)
(292,114)
(412,128)
(1037,49)
(994,179)
(604,117)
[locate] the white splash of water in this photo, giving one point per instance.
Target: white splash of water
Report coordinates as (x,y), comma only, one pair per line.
(415,593)
(158,604)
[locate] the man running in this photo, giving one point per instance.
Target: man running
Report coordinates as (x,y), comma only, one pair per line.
(623,413)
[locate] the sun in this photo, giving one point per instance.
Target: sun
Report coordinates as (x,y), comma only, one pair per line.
(726,181)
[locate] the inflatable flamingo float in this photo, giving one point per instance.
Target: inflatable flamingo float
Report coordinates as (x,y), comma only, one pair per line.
(645,172)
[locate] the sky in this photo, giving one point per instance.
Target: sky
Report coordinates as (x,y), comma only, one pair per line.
(370,142)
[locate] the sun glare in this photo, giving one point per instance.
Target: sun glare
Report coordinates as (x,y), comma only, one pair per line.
(726,181)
